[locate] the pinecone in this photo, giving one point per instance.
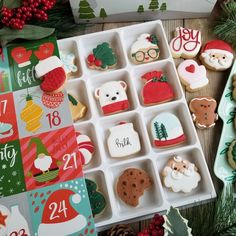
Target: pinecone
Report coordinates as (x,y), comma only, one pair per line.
(120,230)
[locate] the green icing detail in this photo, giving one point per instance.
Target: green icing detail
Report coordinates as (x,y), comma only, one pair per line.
(72,100)
(154,39)
(163,78)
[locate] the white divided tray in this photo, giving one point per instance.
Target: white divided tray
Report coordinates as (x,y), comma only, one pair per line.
(105,170)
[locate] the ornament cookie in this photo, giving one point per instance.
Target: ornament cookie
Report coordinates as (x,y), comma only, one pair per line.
(145,49)
(186,44)
(102,58)
(131,185)
(217,55)
(203,111)
(97,200)
(86,148)
(123,140)
(193,76)
(156,88)
(180,175)
(112,97)
(167,130)
(53,100)
(232,154)
(77,109)
(68,61)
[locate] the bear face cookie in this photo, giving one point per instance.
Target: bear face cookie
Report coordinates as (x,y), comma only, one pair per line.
(112,97)
(123,140)
(203,111)
(156,89)
(180,175)
(193,76)
(131,185)
(145,49)
(232,154)
(186,44)
(167,130)
(217,55)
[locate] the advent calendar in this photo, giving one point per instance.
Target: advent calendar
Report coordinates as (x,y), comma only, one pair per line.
(42,188)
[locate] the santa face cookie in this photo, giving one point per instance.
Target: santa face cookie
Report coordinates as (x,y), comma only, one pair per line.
(131,185)
(217,55)
(102,58)
(180,175)
(112,97)
(192,75)
(145,49)
(167,130)
(123,140)
(203,111)
(232,154)
(156,88)
(186,44)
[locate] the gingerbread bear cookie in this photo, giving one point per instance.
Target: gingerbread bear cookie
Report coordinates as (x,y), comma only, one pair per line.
(203,111)
(131,185)
(180,175)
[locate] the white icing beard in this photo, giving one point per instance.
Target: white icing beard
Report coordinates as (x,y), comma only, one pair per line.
(181,182)
(43,163)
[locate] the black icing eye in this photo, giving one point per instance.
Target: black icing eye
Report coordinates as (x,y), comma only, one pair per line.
(202,105)
(213,55)
(223,57)
(175,168)
(209,105)
(107,95)
(117,93)
(184,166)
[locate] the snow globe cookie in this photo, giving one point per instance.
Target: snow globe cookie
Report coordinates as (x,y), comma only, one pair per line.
(167,130)
(123,140)
(145,49)
(180,175)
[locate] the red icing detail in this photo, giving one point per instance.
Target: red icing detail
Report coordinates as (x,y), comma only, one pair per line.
(52,101)
(41,195)
(149,39)
(45,50)
(91,231)
(33,203)
(21,55)
(166,143)
(36,209)
(53,80)
(43,201)
(190,68)
(115,107)
(3,219)
(217,44)
(98,63)
(91,58)
(86,231)
(48,192)
(35,195)
(89,223)
(122,123)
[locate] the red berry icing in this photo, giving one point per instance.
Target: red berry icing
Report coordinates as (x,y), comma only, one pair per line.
(98,62)
(91,58)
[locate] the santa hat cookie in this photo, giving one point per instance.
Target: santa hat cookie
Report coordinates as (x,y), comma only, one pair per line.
(49,69)
(145,49)
(217,55)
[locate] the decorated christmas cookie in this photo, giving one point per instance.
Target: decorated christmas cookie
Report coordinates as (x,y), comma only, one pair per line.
(102,58)
(217,55)
(203,111)
(132,184)
(86,148)
(145,49)
(68,61)
(192,75)
(78,110)
(53,100)
(180,175)
(234,87)
(112,97)
(96,198)
(232,154)
(123,140)
(186,44)
(167,130)
(49,69)
(156,88)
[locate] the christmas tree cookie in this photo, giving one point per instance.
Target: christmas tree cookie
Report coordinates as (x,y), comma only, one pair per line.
(96,198)
(232,154)
(102,58)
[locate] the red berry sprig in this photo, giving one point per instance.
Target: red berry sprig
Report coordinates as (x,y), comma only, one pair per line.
(93,61)
(16,18)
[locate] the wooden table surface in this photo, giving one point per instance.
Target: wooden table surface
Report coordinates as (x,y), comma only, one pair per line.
(209,138)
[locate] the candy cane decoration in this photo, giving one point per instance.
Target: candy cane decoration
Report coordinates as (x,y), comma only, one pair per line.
(86,148)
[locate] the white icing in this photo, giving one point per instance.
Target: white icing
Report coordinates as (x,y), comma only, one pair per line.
(195,80)
(178,158)
(204,98)
(68,60)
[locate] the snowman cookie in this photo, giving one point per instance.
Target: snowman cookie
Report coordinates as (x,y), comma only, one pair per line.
(192,75)
(167,130)
(145,49)
(156,88)
(112,97)
(180,175)
(217,55)
(123,140)
(203,111)
(186,43)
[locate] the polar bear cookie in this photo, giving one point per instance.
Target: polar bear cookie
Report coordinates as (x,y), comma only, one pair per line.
(123,140)
(203,111)
(131,185)
(167,130)
(112,97)
(217,55)
(180,175)
(186,44)
(192,75)
(145,49)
